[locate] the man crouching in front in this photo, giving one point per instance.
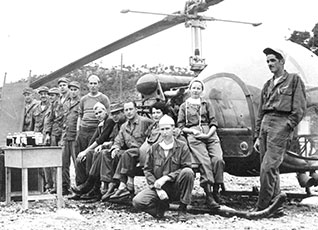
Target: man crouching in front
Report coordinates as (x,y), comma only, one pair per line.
(168,173)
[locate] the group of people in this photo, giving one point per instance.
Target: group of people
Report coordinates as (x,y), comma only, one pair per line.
(109,145)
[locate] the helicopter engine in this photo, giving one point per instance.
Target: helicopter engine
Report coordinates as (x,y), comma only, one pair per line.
(156,85)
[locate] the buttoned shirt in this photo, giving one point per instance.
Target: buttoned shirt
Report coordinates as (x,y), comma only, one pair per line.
(133,133)
(158,164)
(288,97)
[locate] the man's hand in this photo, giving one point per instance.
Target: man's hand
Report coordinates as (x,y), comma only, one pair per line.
(115,153)
(256,145)
(98,148)
(162,194)
(81,154)
(161,181)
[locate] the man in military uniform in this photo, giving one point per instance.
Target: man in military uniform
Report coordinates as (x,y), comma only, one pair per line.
(131,136)
(168,173)
(282,106)
(71,111)
(30,104)
(53,123)
(41,109)
(63,83)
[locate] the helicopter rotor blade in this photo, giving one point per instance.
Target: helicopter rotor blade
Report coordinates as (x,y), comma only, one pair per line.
(159,26)
(231,21)
(164,24)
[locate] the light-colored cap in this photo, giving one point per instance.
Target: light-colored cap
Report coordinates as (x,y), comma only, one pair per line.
(27,90)
(54,90)
(99,105)
(74,84)
(274,51)
(63,79)
(166,120)
(43,89)
(93,78)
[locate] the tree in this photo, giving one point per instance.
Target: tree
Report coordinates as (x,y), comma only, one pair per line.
(307,40)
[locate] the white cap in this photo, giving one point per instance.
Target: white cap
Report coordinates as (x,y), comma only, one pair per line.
(99,105)
(93,78)
(166,120)
(268,51)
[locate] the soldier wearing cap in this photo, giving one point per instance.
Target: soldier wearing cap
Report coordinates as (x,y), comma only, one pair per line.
(52,130)
(41,109)
(282,106)
(168,173)
(30,104)
(109,164)
(64,90)
(71,111)
(87,122)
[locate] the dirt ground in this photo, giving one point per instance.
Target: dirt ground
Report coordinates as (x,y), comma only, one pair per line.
(88,216)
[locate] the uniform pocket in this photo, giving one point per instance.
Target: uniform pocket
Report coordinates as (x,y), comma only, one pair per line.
(285,100)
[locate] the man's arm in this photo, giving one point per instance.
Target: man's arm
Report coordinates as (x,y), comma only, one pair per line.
(148,168)
(299,102)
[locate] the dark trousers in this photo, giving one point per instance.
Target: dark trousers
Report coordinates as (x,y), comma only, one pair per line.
(68,152)
(127,164)
(180,190)
(50,173)
(108,166)
(274,136)
(88,166)
(83,138)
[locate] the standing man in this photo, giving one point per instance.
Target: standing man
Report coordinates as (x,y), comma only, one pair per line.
(282,106)
(30,104)
(63,83)
(71,108)
(87,122)
(53,123)
(41,109)
(168,173)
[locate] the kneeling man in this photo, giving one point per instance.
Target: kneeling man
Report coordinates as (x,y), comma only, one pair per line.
(168,173)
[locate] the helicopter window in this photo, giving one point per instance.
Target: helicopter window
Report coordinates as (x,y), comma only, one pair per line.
(229,101)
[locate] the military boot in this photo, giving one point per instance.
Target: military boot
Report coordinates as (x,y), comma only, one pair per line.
(210,202)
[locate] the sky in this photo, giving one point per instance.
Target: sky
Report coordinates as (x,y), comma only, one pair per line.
(45,35)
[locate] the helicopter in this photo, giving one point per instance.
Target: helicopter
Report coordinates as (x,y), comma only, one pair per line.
(232,87)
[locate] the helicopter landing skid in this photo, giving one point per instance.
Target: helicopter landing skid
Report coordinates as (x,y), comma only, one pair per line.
(229,212)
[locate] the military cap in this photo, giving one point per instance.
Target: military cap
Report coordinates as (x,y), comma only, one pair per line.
(74,84)
(43,89)
(54,90)
(275,51)
(116,108)
(63,79)
(27,90)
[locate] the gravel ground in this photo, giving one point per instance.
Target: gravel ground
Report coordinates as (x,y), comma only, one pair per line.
(88,216)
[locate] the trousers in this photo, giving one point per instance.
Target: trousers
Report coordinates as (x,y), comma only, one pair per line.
(68,153)
(180,190)
(108,166)
(208,153)
(274,136)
